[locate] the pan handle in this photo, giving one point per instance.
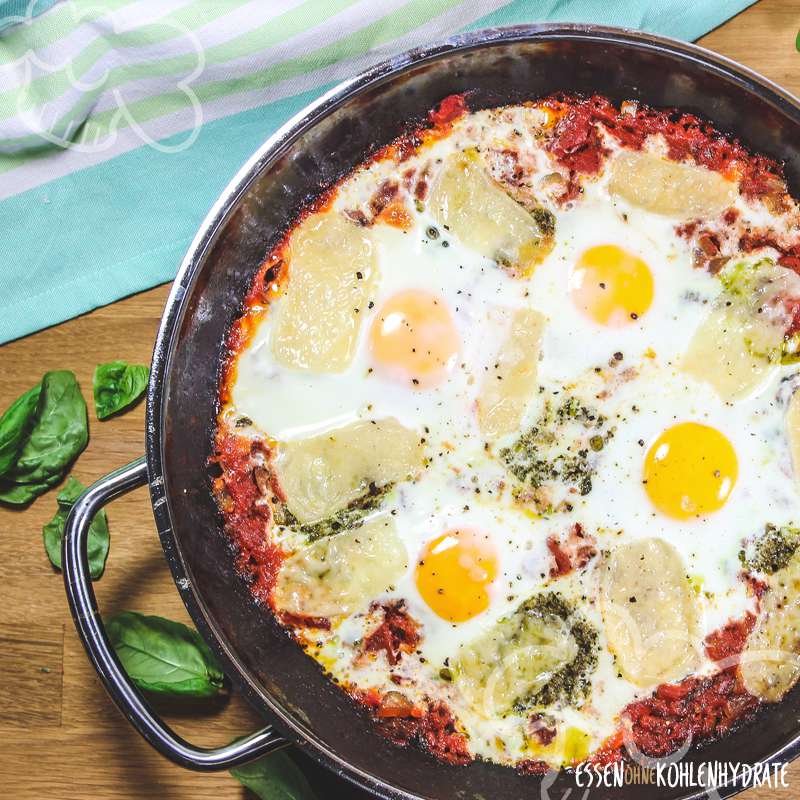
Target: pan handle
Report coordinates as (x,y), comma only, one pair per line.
(83,604)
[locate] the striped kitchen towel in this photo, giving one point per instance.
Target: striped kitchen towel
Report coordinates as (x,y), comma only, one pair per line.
(121,121)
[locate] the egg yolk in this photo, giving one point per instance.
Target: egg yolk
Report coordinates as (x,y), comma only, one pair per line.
(413,337)
(454,573)
(690,470)
(611,286)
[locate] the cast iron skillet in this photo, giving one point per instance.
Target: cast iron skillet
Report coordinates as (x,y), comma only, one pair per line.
(308,154)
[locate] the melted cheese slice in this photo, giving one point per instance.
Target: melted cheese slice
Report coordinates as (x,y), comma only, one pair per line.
(343,573)
(770,662)
(665,187)
(649,611)
(721,353)
(509,384)
(332,272)
(512,661)
(474,208)
(321,475)
(738,346)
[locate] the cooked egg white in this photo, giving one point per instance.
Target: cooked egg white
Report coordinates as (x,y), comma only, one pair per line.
(622,300)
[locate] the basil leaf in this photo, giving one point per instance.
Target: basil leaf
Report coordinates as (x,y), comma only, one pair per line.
(275,777)
(21,493)
(53,531)
(59,433)
(15,424)
(117,385)
(164,656)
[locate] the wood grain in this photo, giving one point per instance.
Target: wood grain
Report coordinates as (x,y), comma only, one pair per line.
(61,735)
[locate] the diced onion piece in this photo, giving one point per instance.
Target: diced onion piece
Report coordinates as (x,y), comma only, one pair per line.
(321,475)
(770,661)
(667,187)
(472,207)
(332,271)
(513,660)
(649,612)
(793,435)
(343,573)
(511,381)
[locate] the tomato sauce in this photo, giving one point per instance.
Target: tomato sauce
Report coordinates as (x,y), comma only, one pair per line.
(531,766)
(246,521)
(789,255)
(434,730)
(729,641)
(397,634)
(695,709)
(577,145)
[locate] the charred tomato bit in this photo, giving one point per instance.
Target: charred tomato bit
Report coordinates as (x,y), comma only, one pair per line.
(398,633)
(531,766)
(302,621)
(576,142)
(729,640)
(449,110)
(571,552)
(789,254)
(563,564)
(542,729)
(384,195)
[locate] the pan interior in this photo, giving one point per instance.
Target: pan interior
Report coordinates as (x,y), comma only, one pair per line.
(496,69)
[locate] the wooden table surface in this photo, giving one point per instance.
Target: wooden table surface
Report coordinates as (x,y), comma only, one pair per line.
(61,737)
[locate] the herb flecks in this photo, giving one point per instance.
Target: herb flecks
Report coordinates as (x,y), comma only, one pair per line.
(557,453)
(351,516)
(774,549)
(570,684)
(546,221)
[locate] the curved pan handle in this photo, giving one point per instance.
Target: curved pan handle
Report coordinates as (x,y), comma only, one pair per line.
(83,604)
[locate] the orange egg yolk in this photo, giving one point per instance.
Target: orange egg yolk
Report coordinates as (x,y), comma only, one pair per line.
(454,573)
(413,338)
(611,286)
(690,470)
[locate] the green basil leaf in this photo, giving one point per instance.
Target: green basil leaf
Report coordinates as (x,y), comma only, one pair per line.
(69,493)
(20,494)
(15,424)
(53,531)
(275,777)
(164,656)
(117,385)
(59,433)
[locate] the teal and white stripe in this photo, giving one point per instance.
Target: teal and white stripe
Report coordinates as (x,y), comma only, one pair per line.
(141,79)
(120,124)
